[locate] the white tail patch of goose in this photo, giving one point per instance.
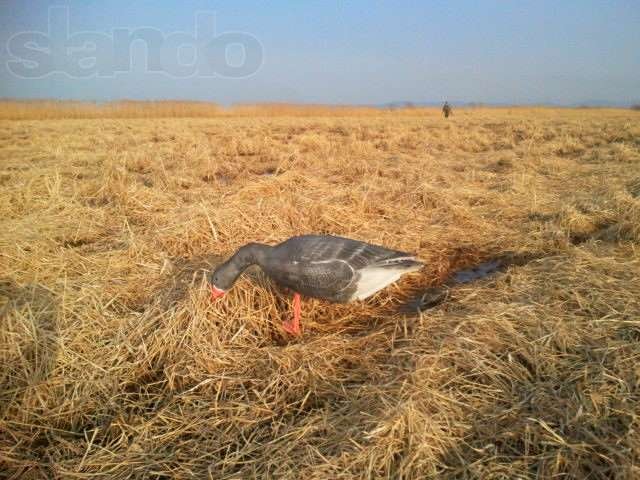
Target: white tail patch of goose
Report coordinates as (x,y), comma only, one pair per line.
(376,278)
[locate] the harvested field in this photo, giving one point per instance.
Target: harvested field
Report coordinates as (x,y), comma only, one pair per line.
(115,364)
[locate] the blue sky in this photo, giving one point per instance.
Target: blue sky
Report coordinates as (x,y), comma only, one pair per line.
(353,52)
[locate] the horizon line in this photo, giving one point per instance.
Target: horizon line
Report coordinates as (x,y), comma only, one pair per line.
(384,105)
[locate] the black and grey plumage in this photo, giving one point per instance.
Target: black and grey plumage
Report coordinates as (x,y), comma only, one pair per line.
(322,266)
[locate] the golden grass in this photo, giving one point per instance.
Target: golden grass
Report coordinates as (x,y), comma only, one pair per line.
(60,109)
(53,109)
(116,365)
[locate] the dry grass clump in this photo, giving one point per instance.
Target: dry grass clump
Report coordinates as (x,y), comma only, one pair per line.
(115,363)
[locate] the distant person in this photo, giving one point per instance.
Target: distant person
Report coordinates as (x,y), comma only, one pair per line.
(446,110)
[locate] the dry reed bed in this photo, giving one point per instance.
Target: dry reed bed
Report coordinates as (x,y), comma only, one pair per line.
(65,109)
(117,365)
(60,109)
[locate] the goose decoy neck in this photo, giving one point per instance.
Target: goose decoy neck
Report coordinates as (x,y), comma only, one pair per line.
(225,275)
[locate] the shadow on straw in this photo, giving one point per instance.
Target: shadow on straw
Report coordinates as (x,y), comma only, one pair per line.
(30,312)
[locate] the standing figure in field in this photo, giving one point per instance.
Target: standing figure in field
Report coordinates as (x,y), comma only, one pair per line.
(446,110)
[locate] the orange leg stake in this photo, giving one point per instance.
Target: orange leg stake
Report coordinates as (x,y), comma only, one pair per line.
(293,326)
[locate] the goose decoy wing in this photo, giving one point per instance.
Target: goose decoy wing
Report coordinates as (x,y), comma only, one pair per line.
(359,255)
(329,279)
(337,268)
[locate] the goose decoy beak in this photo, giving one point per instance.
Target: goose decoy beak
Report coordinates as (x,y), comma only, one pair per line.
(216,292)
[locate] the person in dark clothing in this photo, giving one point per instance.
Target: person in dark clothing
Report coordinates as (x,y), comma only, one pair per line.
(446,110)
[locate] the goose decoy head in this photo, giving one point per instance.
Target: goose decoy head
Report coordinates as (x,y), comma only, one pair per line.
(221,280)
(225,275)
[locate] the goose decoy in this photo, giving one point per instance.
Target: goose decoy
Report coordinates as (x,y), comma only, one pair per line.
(322,266)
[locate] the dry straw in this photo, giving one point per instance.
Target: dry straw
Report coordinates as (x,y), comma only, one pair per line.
(116,365)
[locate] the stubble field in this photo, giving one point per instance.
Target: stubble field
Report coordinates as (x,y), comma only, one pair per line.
(115,364)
